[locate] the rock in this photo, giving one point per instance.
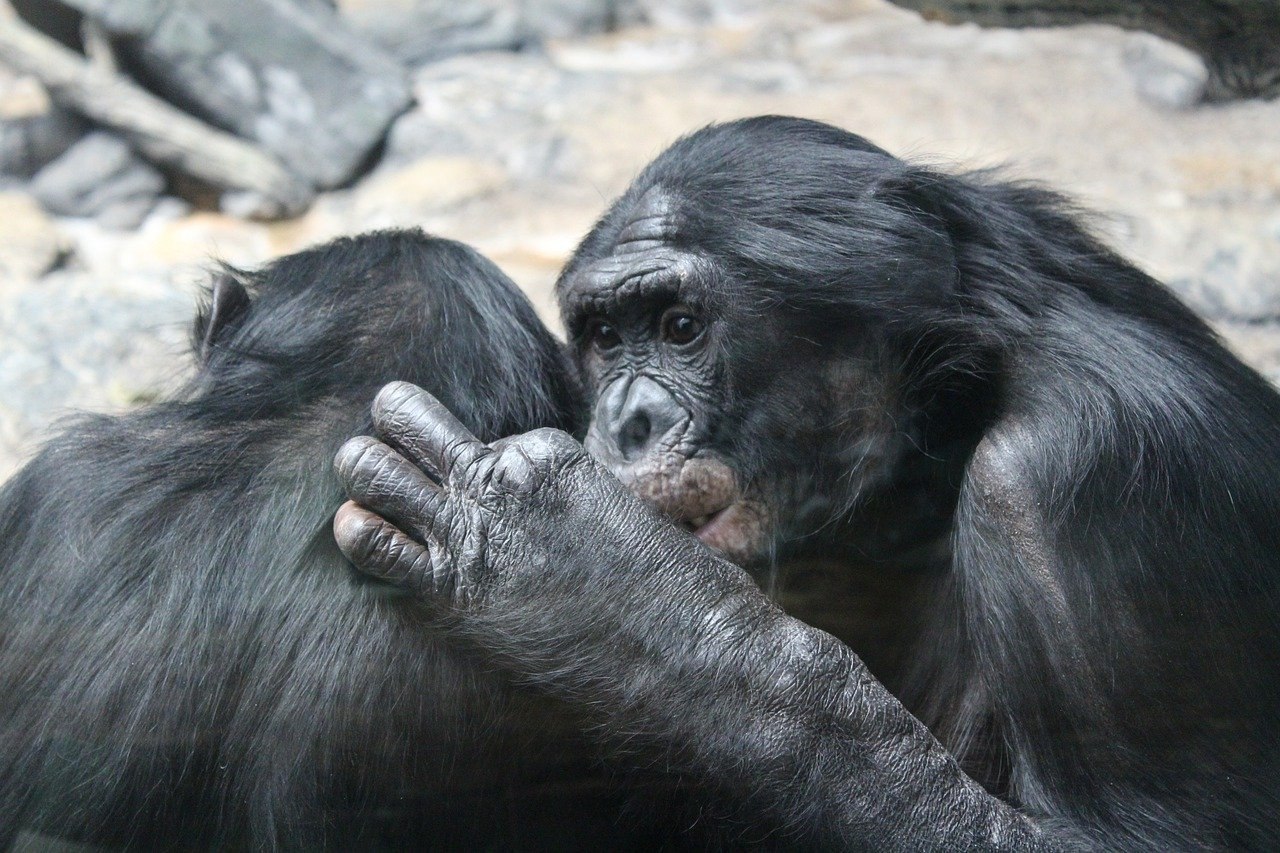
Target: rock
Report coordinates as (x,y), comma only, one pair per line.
(421,31)
(100,177)
(428,30)
(291,76)
(51,18)
(1165,74)
(73,340)
(1237,38)
(565,18)
(461,100)
(32,244)
(432,183)
(1240,282)
(192,241)
(28,143)
(684,14)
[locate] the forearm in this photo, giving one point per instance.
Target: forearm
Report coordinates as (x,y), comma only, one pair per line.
(549,565)
(702,672)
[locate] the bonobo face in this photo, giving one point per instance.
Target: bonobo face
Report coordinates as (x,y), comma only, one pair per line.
(734,416)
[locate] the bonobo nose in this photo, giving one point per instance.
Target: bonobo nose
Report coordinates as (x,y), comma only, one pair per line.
(632,418)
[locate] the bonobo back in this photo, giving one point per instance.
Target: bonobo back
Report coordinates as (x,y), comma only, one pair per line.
(187,659)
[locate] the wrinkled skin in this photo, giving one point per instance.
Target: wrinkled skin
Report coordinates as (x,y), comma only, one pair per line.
(1040,491)
(489,530)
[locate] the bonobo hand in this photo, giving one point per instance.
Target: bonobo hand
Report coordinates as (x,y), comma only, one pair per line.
(435,510)
(549,564)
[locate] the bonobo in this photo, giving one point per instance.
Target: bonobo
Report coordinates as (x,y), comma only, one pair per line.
(188,661)
(798,347)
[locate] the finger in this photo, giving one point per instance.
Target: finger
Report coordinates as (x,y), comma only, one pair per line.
(420,426)
(381,550)
(381,480)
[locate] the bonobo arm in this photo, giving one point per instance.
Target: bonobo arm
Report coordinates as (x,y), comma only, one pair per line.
(545,560)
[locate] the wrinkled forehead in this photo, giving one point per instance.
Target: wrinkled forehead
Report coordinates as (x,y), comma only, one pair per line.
(641,261)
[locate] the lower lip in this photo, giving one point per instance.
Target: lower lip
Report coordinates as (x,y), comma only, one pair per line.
(714,523)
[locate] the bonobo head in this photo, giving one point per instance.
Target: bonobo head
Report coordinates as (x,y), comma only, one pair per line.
(333,324)
(748,318)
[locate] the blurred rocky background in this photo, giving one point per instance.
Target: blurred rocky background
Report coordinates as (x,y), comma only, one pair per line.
(141,139)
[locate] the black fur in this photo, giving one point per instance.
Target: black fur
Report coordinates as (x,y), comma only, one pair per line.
(185,657)
(1065,493)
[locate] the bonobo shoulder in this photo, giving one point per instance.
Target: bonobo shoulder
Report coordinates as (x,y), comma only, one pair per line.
(999,467)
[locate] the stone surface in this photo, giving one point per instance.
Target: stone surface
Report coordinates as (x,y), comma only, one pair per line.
(31,245)
(75,341)
(1239,40)
(1164,73)
(425,185)
(420,31)
(517,153)
(30,142)
(100,177)
(293,77)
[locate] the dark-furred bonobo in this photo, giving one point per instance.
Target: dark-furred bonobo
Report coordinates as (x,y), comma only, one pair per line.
(188,661)
(1055,485)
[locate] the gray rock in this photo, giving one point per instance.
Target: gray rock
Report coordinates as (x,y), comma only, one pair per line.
(291,76)
(1165,74)
(565,18)
(100,177)
(429,30)
(463,99)
(121,17)
(29,143)
(1239,282)
(32,242)
(73,340)
(1238,39)
(682,14)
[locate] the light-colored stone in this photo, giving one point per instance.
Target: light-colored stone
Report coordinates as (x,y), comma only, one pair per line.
(518,153)
(203,236)
(73,341)
(30,243)
(429,184)
(1164,73)
(22,97)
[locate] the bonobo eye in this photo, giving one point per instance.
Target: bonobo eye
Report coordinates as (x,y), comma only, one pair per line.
(602,335)
(679,326)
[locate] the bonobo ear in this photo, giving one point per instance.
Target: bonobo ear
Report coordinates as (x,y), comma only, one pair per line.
(228,304)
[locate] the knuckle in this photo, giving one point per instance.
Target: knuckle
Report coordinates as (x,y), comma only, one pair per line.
(457,448)
(471,474)
(402,558)
(515,471)
(401,408)
(552,445)
(384,474)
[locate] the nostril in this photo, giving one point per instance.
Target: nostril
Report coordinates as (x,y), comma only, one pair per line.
(634,435)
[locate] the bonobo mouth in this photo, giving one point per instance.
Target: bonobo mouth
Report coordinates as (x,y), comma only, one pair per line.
(701,525)
(703,496)
(739,531)
(718,525)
